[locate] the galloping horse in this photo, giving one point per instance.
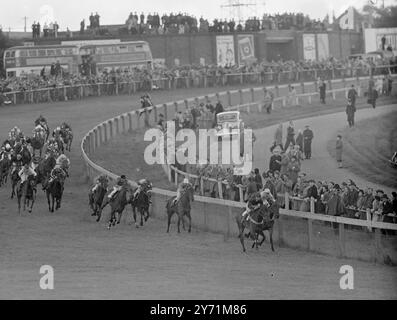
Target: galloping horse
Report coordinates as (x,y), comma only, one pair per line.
(67,137)
(96,197)
(5,165)
(44,168)
(37,142)
(44,124)
(181,208)
(54,193)
(23,150)
(117,205)
(14,179)
(259,220)
(142,203)
(27,191)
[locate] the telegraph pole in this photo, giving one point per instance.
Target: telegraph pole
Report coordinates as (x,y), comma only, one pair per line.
(25,18)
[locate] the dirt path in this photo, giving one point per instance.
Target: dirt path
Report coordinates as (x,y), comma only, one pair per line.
(92,262)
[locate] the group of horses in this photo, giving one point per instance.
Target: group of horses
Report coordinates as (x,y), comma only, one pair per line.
(258,220)
(127,195)
(29,151)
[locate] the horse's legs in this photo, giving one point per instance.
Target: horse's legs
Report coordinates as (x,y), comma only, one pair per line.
(179,222)
(48,201)
(271,238)
(263,237)
(190,221)
(169,214)
(142,210)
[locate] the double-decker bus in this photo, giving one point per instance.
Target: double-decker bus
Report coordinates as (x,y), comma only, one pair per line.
(122,56)
(26,60)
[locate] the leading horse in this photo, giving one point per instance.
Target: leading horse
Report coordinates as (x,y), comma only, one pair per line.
(27,190)
(54,192)
(181,208)
(258,220)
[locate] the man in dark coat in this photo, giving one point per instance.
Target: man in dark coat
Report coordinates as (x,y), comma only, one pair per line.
(322,89)
(307,142)
(350,111)
(352,95)
(275,160)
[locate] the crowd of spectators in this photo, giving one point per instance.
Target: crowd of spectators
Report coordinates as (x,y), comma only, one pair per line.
(50,30)
(182,23)
(268,70)
(284,175)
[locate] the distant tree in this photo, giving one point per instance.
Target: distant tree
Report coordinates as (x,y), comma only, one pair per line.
(382,17)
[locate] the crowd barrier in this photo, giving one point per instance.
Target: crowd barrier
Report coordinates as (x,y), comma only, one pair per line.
(80,91)
(320,233)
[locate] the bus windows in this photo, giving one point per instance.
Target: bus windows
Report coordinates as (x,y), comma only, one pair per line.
(59,52)
(8,54)
(51,52)
(123,49)
(42,53)
(12,54)
(11,74)
(32,53)
(23,53)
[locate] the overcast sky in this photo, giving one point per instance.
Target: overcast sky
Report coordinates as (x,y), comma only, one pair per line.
(69,13)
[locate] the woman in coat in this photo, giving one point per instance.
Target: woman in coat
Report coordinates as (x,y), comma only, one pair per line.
(293,170)
(284,163)
(339,150)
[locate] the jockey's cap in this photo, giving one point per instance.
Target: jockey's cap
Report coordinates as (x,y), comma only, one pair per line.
(186,180)
(8,147)
(142,181)
(123,177)
(267,191)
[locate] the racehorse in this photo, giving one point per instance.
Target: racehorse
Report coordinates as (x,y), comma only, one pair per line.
(54,192)
(14,180)
(259,220)
(27,191)
(45,127)
(142,203)
(23,150)
(37,143)
(181,208)
(44,168)
(96,198)
(67,137)
(117,205)
(5,165)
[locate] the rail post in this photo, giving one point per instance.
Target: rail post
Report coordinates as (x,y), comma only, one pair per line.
(342,242)
(241,193)
(220,189)
(229,98)
(105,131)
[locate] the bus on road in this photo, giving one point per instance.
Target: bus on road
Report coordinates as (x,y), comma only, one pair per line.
(27,60)
(123,56)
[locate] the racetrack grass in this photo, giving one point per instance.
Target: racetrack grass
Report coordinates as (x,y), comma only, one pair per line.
(369,146)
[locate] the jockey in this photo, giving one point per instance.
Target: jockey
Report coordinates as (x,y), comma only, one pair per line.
(39,130)
(5,151)
(64,163)
(14,133)
(25,172)
(267,197)
(65,126)
(102,179)
(182,187)
(143,185)
(16,162)
(57,171)
(253,203)
(120,183)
